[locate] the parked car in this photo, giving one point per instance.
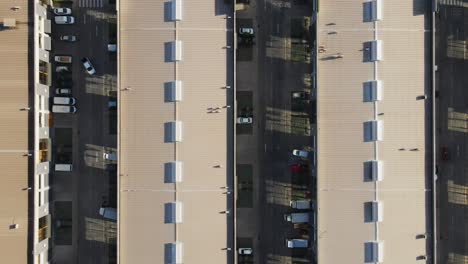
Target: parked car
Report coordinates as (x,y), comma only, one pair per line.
(244,120)
(64,100)
(109,213)
(62,11)
(63,59)
(63,109)
(62,69)
(65,91)
(112,47)
(110,156)
(68,38)
(64,20)
(300,95)
(88,66)
(300,204)
(300,153)
(297,243)
(246,30)
(299,168)
(245,251)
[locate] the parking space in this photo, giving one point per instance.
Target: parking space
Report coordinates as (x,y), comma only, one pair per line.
(278,79)
(92,82)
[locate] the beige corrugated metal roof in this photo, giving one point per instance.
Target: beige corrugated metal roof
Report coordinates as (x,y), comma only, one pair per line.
(14,133)
(144,34)
(342,190)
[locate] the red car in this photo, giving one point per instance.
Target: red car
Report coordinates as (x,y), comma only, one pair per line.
(299,168)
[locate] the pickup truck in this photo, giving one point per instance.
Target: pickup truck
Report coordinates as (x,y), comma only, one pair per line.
(63,59)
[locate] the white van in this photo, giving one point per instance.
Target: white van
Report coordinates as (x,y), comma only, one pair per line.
(297,243)
(63,109)
(297,218)
(63,167)
(108,212)
(300,204)
(110,156)
(64,100)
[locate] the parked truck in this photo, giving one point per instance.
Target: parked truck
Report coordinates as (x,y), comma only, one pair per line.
(297,218)
(300,204)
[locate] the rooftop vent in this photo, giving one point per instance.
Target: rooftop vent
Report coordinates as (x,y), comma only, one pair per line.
(373,130)
(173,213)
(373,211)
(373,91)
(173,253)
(174,91)
(373,170)
(173,131)
(373,252)
(176,10)
(173,172)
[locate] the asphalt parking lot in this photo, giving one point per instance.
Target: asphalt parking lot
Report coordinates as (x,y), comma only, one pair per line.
(282,122)
(452,129)
(92,183)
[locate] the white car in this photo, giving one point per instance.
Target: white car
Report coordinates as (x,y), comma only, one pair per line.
(300,153)
(245,251)
(244,120)
(68,38)
(63,109)
(62,69)
(64,20)
(88,66)
(110,156)
(64,100)
(62,11)
(108,212)
(244,30)
(65,91)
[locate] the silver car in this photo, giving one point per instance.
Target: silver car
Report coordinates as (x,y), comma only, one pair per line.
(88,66)
(62,11)
(64,20)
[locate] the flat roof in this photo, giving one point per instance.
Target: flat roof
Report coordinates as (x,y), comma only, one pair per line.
(14,132)
(341,151)
(145,69)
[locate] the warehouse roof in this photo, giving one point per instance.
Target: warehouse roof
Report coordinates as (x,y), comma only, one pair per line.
(14,35)
(372,137)
(173,145)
